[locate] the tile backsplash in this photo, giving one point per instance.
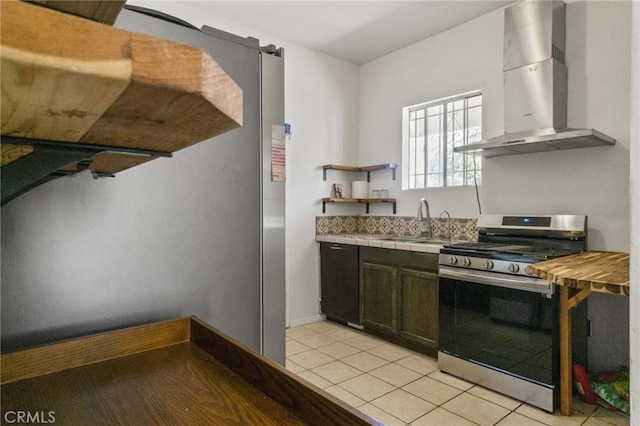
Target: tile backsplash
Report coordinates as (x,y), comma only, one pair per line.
(459,229)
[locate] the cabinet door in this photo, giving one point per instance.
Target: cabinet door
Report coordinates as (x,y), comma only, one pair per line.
(339,282)
(418,313)
(379,296)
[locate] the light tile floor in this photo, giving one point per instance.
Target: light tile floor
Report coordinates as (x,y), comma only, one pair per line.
(401,387)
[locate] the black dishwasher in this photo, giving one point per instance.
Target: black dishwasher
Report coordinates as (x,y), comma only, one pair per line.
(339,284)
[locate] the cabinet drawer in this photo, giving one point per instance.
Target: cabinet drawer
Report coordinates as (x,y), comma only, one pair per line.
(337,246)
(410,259)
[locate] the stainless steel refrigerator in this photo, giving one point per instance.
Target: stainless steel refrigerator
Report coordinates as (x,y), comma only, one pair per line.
(199,234)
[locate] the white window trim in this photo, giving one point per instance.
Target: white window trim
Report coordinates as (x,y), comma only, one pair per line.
(405,137)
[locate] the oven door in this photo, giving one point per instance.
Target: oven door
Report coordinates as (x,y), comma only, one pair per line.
(503,322)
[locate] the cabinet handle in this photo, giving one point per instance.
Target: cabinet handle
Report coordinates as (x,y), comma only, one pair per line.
(337,248)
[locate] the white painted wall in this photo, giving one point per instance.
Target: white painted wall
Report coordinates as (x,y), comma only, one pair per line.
(466,58)
(322,106)
(592,181)
(634,298)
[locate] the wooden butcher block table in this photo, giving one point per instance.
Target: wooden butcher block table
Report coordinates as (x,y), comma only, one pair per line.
(180,372)
(577,276)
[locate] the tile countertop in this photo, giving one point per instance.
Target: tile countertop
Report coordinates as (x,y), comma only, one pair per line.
(374,241)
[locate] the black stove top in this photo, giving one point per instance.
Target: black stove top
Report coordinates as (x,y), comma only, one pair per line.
(506,251)
(522,238)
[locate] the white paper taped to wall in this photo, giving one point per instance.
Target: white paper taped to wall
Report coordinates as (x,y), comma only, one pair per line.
(278,154)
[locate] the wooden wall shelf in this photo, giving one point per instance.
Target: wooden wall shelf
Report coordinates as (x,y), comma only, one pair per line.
(366,201)
(368,169)
(100,11)
(90,83)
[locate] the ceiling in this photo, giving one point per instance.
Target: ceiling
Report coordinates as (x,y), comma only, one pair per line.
(355,31)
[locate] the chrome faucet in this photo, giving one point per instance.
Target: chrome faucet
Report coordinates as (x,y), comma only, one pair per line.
(421,218)
(448,223)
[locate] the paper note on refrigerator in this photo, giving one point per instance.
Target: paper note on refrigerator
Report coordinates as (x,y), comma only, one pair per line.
(278,154)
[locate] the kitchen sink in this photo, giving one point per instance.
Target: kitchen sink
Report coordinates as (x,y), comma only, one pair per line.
(432,241)
(398,239)
(421,240)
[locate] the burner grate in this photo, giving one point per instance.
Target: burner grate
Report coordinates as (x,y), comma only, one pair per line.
(475,246)
(498,249)
(546,252)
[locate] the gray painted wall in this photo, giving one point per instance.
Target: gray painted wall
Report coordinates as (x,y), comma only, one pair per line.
(170,238)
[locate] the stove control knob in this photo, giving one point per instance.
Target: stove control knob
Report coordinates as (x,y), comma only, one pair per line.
(487,264)
(453,260)
(466,261)
(513,268)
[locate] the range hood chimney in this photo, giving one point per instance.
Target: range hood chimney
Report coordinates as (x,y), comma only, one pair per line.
(535,85)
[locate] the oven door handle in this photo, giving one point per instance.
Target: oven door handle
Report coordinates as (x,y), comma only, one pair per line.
(487,278)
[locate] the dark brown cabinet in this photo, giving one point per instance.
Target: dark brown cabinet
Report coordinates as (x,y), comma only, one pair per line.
(418,306)
(399,296)
(379,299)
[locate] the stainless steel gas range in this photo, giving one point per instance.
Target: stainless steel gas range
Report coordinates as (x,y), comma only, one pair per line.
(498,324)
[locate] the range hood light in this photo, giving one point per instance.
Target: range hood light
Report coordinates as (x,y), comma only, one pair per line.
(553,140)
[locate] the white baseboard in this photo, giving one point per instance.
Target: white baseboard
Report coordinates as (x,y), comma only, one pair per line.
(308,320)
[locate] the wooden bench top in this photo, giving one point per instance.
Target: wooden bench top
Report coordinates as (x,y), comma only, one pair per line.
(604,272)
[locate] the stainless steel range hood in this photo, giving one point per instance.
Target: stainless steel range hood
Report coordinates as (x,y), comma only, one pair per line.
(535,85)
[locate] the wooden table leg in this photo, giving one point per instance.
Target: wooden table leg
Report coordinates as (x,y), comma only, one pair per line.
(565,352)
